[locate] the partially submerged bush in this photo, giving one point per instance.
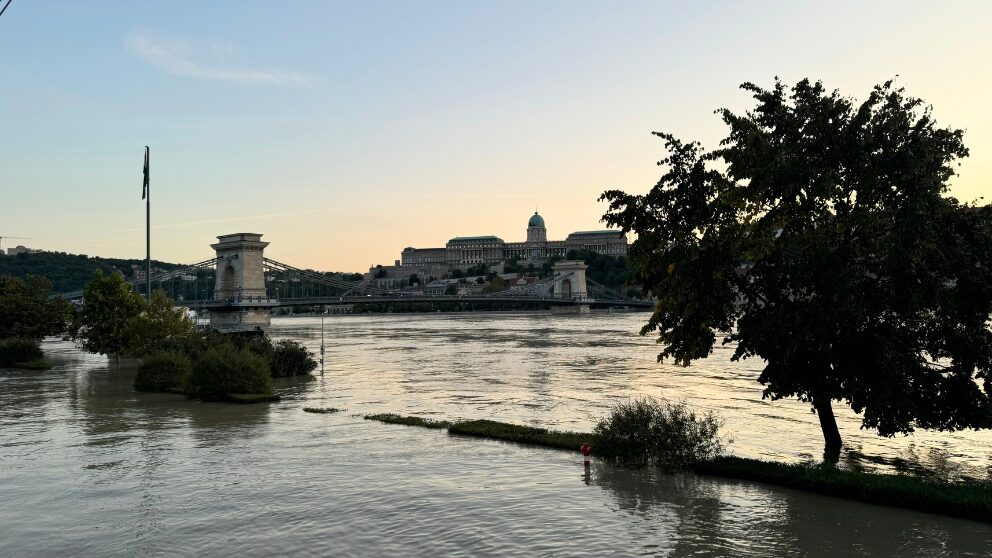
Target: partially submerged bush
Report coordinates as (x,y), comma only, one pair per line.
(521,434)
(163,372)
(290,358)
(392,418)
(224,370)
(322,410)
(17,350)
(283,359)
(667,434)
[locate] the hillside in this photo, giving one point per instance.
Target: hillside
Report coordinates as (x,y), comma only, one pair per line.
(69,272)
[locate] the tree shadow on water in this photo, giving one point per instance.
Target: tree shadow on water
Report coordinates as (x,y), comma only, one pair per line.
(694,515)
(710,516)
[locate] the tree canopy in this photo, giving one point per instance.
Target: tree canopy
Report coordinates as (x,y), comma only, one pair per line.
(109,305)
(158,322)
(820,238)
(26,311)
(69,272)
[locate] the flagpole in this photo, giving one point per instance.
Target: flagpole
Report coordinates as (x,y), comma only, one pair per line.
(148,226)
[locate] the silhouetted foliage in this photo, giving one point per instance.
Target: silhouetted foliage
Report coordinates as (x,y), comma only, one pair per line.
(819,238)
(512,265)
(69,272)
(290,358)
(282,359)
(163,372)
(26,310)
(14,350)
(109,305)
(224,370)
(666,434)
(158,323)
(610,271)
(480,269)
(495,285)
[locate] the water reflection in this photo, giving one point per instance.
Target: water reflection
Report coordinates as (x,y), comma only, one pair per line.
(566,371)
(90,467)
(705,516)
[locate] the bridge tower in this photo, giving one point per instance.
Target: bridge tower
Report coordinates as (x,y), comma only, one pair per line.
(240,284)
(570,283)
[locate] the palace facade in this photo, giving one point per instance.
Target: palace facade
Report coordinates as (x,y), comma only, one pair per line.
(463,252)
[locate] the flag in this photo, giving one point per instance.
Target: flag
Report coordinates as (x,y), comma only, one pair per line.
(144,187)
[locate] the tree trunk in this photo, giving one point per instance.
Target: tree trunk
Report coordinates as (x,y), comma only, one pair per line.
(831,435)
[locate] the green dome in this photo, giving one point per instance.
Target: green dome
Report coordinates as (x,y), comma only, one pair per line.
(536,221)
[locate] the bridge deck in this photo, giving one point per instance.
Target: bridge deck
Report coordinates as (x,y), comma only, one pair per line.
(387,299)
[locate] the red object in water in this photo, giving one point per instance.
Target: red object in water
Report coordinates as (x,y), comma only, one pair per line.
(586,450)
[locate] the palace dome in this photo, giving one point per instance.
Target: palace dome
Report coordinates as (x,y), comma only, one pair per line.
(536,221)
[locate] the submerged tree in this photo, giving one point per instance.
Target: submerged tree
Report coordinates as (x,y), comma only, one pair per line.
(159,322)
(27,311)
(116,320)
(819,238)
(109,305)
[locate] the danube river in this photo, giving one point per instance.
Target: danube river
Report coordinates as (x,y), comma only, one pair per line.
(88,467)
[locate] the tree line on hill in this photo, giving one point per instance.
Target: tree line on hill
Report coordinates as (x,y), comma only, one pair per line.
(70,272)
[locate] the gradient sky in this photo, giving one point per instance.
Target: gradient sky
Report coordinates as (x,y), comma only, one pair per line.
(346,131)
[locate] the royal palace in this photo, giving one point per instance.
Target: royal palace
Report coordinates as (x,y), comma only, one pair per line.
(463,252)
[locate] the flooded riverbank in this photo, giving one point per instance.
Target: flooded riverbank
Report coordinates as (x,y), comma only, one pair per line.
(89,467)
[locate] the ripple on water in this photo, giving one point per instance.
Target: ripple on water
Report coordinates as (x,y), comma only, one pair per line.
(115,473)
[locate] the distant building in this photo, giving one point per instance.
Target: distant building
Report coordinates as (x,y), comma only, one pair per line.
(138,272)
(463,252)
(21,250)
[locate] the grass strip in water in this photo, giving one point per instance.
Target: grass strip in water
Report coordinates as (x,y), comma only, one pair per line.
(323,410)
(40,364)
(246,398)
(391,418)
(971,500)
(521,434)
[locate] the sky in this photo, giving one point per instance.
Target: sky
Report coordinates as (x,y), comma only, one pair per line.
(345,131)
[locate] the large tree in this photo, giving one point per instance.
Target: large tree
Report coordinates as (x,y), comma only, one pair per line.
(820,238)
(158,323)
(110,304)
(117,320)
(27,311)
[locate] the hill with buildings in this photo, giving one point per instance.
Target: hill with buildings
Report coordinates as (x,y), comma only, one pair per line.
(69,272)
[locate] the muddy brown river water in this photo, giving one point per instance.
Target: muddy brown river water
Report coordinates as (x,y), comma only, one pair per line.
(88,467)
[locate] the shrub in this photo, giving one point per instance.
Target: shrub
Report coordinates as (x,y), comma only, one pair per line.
(522,434)
(290,358)
(667,434)
(392,418)
(163,372)
(17,350)
(223,370)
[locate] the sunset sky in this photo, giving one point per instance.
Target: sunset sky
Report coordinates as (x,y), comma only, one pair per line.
(346,131)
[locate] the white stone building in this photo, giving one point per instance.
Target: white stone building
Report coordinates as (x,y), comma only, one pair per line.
(463,252)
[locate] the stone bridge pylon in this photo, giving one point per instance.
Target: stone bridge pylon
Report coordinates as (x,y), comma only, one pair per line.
(240,284)
(570,284)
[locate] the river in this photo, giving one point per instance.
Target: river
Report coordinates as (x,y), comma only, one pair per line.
(88,467)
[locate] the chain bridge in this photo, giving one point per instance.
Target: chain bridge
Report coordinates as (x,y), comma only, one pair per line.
(239,287)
